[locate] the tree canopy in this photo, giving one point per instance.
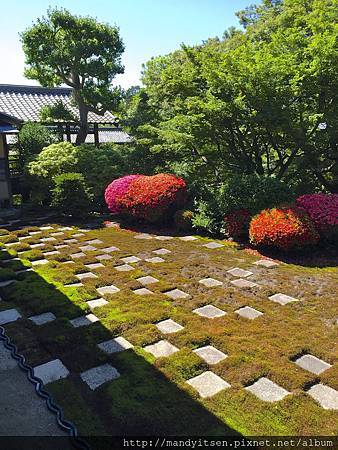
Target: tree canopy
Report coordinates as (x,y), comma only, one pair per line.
(262,100)
(77,51)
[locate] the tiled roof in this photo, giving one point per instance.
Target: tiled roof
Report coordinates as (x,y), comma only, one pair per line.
(116,136)
(25,102)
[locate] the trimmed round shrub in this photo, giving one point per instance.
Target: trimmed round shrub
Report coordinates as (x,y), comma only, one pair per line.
(151,198)
(252,193)
(285,228)
(236,223)
(71,196)
(183,219)
(116,190)
(323,211)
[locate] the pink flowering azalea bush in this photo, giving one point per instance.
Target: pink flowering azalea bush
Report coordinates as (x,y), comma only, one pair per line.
(323,211)
(150,198)
(116,190)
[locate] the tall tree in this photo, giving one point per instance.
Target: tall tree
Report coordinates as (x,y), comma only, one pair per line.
(79,52)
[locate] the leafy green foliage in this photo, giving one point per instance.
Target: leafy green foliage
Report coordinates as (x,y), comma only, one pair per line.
(257,102)
(79,52)
(33,137)
(56,112)
(71,195)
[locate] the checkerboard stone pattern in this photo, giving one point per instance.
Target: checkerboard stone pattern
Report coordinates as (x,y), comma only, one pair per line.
(169,326)
(43,318)
(248,313)
(109,249)
(208,384)
(312,364)
(88,248)
(176,293)
(97,376)
(282,299)
(9,315)
(85,275)
(116,345)
(241,283)
(131,259)
(188,238)
(104,257)
(155,260)
(51,371)
(267,390)
(39,262)
(164,238)
(267,263)
(210,282)
(162,251)
(94,266)
(143,236)
(142,291)
(161,349)
(236,272)
(325,396)
(209,311)
(124,268)
(210,354)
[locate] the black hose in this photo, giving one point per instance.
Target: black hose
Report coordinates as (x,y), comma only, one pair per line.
(39,389)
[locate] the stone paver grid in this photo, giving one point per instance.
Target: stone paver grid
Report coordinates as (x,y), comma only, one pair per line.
(210,282)
(107,290)
(237,272)
(326,396)
(208,384)
(84,321)
(51,371)
(248,313)
(210,354)
(176,293)
(147,280)
(162,251)
(142,291)
(43,318)
(161,349)
(312,364)
(155,260)
(97,376)
(169,326)
(209,311)
(213,245)
(116,345)
(266,263)
(130,259)
(124,268)
(97,303)
(282,299)
(9,315)
(243,283)
(267,390)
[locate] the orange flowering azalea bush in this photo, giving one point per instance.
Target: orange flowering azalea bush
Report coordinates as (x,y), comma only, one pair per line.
(285,228)
(151,198)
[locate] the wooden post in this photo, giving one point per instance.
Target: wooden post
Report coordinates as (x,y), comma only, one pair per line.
(69,139)
(96,135)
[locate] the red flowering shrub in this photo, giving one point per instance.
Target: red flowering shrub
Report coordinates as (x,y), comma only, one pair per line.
(146,197)
(323,211)
(286,228)
(237,223)
(116,189)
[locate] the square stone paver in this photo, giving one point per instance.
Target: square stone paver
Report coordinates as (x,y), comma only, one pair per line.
(155,260)
(188,238)
(147,280)
(53,252)
(33,233)
(109,249)
(104,257)
(58,247)
(51,371)
(77,255)
(73,285)
(107,290)
(115,345)
(57,233)
(267,390)
(176,293)
(130,259)
(78,235)
(209,311)
(210,282)
(213,245)
(46,228)
(169,326)
(71,241)
(94,266)
(37,245)
(124,268)
(237,272)
(7,282)
(87,248)
(97,376)
(94,241)
(161,349)
(38,262)
(84,321)
(161,251)
(9,315)
(208,384)
(243,283)
(84,276)
(312,364)
(142,291)
(164,238)
(41,319)
(48,239)
(266,263)
(96,303)
(326,396)
(65,229)
(210,354)
(143,236)
(282,299)
(248,312)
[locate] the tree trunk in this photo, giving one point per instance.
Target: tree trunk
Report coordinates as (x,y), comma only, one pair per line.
(83,131)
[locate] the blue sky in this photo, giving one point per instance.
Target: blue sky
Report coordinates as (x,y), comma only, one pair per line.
(148,27)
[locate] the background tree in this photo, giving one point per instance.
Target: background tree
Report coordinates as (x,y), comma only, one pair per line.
(79,52)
